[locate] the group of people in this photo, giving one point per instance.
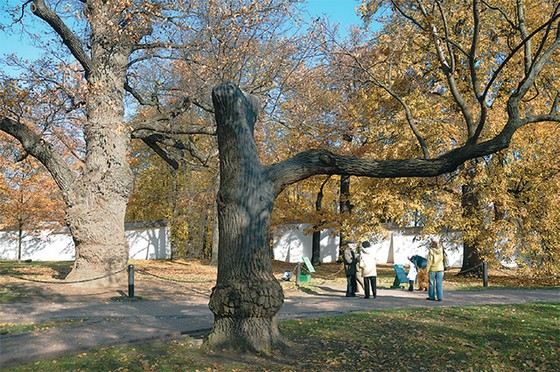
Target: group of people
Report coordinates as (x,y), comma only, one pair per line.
(365,260)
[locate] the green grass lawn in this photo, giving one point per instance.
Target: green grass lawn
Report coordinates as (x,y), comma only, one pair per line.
(482,338)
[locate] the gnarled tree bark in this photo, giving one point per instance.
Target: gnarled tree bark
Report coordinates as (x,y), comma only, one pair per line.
(246,297)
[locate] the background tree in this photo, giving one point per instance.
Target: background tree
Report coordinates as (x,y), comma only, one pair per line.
(250,42)
(400,54)
(29,201)
(80,96)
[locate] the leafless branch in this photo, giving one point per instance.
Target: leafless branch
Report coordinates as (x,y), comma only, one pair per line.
(41,10)
(170,159)
(520,6)
(555,108)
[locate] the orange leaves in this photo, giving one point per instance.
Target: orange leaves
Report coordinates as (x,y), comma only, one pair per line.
(30,199)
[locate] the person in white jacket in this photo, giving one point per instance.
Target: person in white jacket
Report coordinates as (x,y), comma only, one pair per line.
(368,265)
(411,276)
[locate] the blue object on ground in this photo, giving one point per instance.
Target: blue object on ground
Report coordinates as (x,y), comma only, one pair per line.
(400,276)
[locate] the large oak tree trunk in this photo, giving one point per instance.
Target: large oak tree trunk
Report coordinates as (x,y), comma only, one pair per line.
(246,297)
(96,223)
(97,201)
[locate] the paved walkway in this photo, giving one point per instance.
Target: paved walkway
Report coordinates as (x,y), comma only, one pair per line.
(116,322)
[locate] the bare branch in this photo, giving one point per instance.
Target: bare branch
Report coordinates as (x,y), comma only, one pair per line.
(409,118)
(540,118)
(407,16)
(134,93)
(504,14)
(545,37)
(153,140)
(160,45)
(473,51)
(446,33)
(555,108)
(408,112)
(42,151)
(22,11)
(163,126)
(41,10)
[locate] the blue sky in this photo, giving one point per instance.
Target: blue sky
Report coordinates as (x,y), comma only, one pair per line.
(337,11)
(342,12)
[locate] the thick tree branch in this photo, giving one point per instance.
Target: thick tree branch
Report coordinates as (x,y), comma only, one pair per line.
(43,151)
(314,162)
(41,10)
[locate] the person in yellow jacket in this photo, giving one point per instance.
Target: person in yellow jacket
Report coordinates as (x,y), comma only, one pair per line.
(435,270)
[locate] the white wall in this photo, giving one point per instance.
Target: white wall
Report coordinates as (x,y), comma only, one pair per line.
(45,245)
(406,244)
(292,242)
(149,243)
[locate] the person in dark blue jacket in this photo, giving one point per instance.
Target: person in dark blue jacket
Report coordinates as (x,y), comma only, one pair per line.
(419,261)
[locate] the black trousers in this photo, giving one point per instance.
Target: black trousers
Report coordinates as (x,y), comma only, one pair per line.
(370,282)
(351,285)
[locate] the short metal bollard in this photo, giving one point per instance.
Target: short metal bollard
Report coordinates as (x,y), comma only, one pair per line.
(485,274)
(130,281)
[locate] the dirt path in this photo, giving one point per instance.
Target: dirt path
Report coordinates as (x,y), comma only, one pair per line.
(102,321)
